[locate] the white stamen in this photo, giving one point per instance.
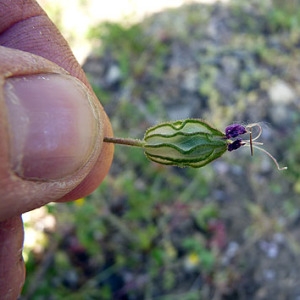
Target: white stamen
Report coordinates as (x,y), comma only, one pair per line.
(252,144)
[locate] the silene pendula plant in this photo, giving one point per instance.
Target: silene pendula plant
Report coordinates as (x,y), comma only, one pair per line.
(193,142)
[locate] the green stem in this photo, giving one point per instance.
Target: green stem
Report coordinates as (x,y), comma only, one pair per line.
(123,141)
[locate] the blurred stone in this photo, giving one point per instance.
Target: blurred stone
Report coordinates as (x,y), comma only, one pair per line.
(190,81)
(230,65)
(269,248)
(232,250)
(281,93)
(71,279)
(113,75)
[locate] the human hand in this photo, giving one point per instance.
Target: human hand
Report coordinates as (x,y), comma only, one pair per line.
(51,129)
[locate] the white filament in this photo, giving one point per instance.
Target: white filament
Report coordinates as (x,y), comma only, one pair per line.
(252,144)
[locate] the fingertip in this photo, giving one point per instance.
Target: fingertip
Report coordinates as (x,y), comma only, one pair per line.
(100,169)
(23,188)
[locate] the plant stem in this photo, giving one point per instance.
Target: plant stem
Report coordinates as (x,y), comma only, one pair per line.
(123,141)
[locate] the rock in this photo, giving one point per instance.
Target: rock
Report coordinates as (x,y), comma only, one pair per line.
(190,81)
(113,75)
(281,93)
(230,65)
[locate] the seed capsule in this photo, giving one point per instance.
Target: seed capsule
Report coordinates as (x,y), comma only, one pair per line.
(186,143)
(192,142)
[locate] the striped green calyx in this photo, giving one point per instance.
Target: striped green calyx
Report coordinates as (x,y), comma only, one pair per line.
(193,142)
(184,143)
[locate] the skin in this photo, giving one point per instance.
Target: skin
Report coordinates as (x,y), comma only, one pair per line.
(20,25)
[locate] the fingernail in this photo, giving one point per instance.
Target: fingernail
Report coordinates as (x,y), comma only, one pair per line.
(53,125)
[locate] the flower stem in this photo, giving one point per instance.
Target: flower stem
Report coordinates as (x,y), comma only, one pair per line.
(125,141)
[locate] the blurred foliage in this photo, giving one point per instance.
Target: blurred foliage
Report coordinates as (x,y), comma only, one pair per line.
(155,232)
(284,15)
(134,44)
(275,16)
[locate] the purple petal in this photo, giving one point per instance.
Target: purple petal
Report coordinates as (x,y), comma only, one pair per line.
(234,130)
(235,145)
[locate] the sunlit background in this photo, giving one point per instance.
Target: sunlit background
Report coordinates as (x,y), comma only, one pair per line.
(75,17)
(225,231)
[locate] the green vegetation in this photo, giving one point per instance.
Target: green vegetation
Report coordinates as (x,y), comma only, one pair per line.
(158,232)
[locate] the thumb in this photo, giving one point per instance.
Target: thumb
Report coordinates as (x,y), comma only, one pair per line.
(51,132)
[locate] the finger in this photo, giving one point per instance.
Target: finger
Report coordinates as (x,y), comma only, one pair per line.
(96,175)
(23,25)
(12,270)
(51,129)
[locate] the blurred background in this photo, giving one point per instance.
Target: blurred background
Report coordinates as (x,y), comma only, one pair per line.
(229,230)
